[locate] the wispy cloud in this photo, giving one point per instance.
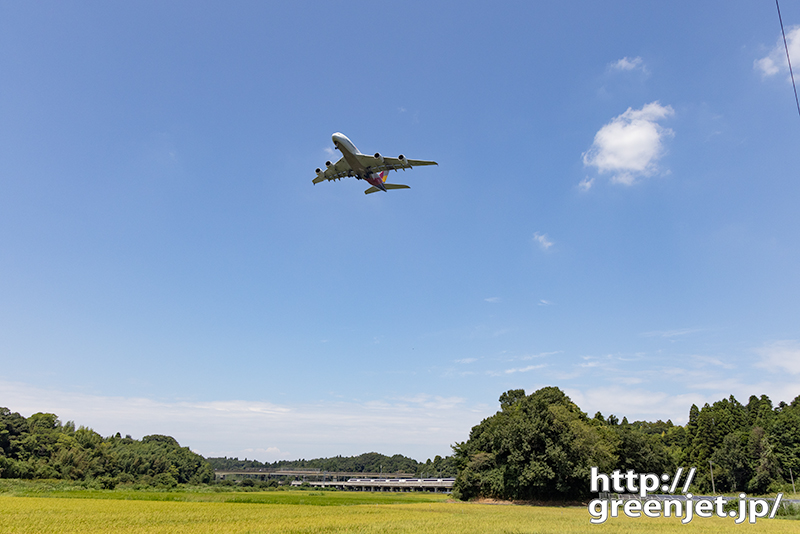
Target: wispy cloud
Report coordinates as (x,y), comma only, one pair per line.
(466,360)
(517,370)
(432,401)
(631,144)
(531,356)
(781,356)
(671,333)
(775,62)
(487,332)
(543,240)
(635,404)
(586,184)
(638,403)
(525,369)
(540,355)
(628,64)
(629,380)
(543,302)
(705,361)
(493,300)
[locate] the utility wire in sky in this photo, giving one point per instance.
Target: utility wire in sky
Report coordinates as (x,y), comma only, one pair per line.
(787,56)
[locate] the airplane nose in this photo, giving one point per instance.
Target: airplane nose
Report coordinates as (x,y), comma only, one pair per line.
(341,142)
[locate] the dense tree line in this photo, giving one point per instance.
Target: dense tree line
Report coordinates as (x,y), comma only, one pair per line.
(40,446)
(541,447)
(371,462)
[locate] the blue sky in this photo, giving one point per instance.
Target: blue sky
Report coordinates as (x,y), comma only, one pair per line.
(614,213)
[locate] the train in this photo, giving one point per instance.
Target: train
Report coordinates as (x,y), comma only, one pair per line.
(402,480)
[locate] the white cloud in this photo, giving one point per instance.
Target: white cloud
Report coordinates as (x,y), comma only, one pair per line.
(543,241)
(586,184)
(767,66)
(639,403)
(627,63)
(671,333)
(485,332)
(671,389)
(517,370)
(629,380)
(526,369)
(781,356)
(432,402)
(775,62)
(526,357)
(421,426)
(466,360)
(540,355)
(630,145)
(543,302)
(705,361)
(635,404)
(493,300)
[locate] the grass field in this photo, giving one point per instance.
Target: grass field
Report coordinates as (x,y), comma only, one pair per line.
(82,511)
(203,494)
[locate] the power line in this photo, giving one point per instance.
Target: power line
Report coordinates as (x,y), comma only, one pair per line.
(786,46)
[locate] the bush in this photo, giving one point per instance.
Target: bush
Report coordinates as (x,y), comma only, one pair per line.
(164,480)
(107,482)
(788,510)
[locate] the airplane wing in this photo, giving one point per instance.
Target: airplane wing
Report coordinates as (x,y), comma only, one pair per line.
(374,189)
(390,164)
(337,171)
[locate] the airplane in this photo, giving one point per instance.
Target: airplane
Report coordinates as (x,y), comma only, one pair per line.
(374,169)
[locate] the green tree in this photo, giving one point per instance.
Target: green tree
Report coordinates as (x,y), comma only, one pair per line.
(538,446)
(732,469)
(642,452)
(784,435)
(764,463)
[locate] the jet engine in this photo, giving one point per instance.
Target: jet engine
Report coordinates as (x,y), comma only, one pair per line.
(328,164)
(318,171)
(379,157)
(403,160)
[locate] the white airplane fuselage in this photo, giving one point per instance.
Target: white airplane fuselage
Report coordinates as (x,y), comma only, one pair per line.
(349,150)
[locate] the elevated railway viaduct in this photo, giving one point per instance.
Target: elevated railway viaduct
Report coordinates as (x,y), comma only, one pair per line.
(345,480)
(437,485)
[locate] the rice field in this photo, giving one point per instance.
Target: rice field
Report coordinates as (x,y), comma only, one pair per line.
(300,513)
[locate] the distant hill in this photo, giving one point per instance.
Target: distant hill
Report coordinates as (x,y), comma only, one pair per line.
(370,462)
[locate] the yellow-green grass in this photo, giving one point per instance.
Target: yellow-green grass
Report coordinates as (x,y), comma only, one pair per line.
(313,498)
(68,515)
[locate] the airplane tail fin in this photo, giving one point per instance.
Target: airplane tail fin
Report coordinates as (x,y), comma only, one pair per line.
(387,186)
